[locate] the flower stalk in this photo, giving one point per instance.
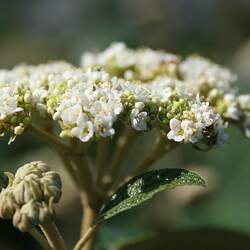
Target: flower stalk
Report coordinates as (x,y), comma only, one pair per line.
(82,243)
(53,236)
(40,239)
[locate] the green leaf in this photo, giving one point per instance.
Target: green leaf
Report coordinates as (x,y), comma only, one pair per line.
(143,187)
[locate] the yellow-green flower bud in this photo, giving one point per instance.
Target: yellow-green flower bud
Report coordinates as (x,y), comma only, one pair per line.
(35,181)
(51,186)
(8,204)
(28,189)
(31,214)
(18,130)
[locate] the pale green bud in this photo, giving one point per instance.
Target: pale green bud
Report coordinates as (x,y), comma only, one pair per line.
(28,189)
(51,185)
(18,130)
(35,181)
(65,134)
(8,204)
(27,97)
(32,214)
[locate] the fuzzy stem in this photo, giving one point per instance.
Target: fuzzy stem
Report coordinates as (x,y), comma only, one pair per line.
(49,138)
(89,216)
(86,181)
(53,236)
(81,244)
(122,147)
(102,158)
(40,239)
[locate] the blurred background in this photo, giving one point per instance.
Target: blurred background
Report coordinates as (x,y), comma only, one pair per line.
(34,31)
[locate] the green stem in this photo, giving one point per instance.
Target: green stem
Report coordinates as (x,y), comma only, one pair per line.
(86,180)
(49,138)
(53,236)
(81,244)
(40,239)
(122,147)
(102,158)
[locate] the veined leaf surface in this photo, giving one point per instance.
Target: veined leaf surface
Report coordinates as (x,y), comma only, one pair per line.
(143,187)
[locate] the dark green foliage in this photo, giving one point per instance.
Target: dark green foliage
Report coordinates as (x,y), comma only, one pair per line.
(143,187)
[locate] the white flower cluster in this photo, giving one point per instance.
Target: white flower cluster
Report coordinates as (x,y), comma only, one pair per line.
(90,105)
(9,101)
(23,89)
(196,123)
(142,64)
(14,108)
(189,99)
(204,74)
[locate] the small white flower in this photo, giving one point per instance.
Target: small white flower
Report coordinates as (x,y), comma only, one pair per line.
(175,132)
(84,130)
(232,111)
(8,100)
(244,101)
(138,118)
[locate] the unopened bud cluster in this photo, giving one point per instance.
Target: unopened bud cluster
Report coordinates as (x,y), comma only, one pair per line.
(191,100)
(28,199)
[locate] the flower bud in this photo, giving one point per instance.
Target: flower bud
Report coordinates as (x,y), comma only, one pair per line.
(36,167)
(46,213)
(8,204)
(35,181)
(18,130)
(29,196)
(31,214)
(51,185)
(27,217)
(28,189)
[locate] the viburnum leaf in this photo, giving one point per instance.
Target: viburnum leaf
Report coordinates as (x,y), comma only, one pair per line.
(143,187)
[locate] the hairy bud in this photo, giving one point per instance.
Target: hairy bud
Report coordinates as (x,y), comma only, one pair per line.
(28,199)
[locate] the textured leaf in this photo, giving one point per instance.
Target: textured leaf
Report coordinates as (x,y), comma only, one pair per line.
(143,187)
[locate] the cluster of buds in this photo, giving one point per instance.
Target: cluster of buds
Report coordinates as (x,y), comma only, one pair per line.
(191,100)
(29,197)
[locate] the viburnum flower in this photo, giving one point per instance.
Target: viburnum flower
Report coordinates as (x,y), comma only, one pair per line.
(142,64)
(142,88)
(116,94)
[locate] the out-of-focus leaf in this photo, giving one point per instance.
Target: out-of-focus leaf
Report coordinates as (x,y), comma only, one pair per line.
(120,233)
(213,239)
(143,187)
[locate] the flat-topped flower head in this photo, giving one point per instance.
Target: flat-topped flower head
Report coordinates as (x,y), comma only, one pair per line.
(141,64)
(142,88)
